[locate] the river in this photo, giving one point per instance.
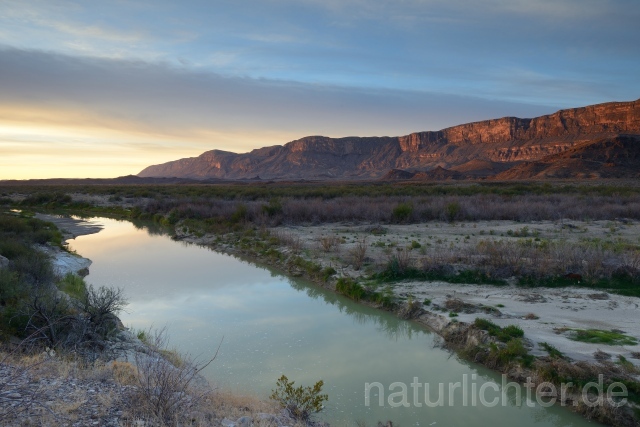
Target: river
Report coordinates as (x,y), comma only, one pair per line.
(270,325)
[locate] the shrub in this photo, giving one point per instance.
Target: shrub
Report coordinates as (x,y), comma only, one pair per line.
(402,212)
(12,248)
(399,263)
(512,351)
(34,268)
(513,331)
(301,402)
(52,199)
(10,288)
(273,208)
(359,253)
(327,272)
(101,306)
(486,325)
(452,210)
(505,334)
(329,242)
(165,393)
(240,214)
(350,288)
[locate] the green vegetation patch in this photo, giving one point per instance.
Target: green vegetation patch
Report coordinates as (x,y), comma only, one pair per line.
(598,336)
(505,334)
(394,273)
(354,290)
(73,285)
(552,350)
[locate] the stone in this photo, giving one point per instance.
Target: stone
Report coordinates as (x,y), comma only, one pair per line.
(480,149)
(4,262)
(244,421)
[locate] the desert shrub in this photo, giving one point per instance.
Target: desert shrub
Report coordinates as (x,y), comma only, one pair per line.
(273,208)
(48,319)
(240,213)
(452,210)
(11,289)
(513,350)
(513,331)
(399,263)
(505,334)
(359,253)
(402,212)
(327,272)
(300,402)
(34,268)
(101,305)
(327,243)
(47,198)
(12,248)
(165,393)
(486,325)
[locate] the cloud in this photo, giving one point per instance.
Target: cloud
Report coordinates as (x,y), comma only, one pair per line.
(58,110)
(157,98)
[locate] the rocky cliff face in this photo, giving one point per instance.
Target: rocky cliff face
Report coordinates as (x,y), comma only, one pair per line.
(494,145)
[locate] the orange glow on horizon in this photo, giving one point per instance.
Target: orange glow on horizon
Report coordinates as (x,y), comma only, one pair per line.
(40,143)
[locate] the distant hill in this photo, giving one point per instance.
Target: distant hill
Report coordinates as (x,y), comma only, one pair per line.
(592,141)
(122,180)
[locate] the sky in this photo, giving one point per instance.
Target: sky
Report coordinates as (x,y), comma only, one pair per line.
(104,89)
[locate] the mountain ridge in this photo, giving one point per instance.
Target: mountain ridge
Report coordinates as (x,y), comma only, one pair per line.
(473,150)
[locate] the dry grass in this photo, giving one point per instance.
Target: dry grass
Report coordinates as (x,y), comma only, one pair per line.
(234,406)
(69,407)
(198,407)
(288,239)
(330,243)
(359,253)
(124,373)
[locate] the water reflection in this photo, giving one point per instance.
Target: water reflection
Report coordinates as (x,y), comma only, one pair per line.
(274,325)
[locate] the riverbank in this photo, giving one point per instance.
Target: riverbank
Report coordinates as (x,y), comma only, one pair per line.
(540,311)
(49,388)
(548,317)
(307,257)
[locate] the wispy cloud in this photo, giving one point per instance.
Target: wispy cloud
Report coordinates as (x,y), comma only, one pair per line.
(167,112)
(236,75)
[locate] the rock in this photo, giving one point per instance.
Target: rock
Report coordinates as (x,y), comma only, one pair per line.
(228,423)
(266,417)
(4,262)
(486,148)
(64,262)
(244,422)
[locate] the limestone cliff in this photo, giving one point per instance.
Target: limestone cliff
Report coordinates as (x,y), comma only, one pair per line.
(472,150)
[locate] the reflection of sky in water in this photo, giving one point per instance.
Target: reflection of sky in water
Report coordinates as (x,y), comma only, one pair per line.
(272,325)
